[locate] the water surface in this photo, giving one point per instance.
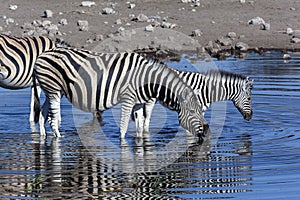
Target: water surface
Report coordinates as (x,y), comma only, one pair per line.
(240,160)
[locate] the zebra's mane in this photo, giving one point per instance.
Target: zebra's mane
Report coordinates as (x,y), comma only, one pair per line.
(223,73)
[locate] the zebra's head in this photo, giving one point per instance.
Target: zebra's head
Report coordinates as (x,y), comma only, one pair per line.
(242,99)
(190,113)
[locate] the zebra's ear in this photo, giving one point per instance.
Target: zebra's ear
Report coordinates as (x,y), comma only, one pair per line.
(197,92)
(249,83)
(185,95)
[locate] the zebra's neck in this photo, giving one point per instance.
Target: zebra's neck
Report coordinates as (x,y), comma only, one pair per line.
(212,86)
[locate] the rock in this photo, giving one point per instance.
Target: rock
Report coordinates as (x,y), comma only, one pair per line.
(46,23)
(197,33)
(1,28)
(48,14)
(27,26)
(149,28)
(63,22)
(168,25)
(295,40)
(256,21)
(213,48)
(242,46)
(88,3)
(83,25)
(286,56)
(296,33)
(99,37)
(225,41)
(118,21)
(13,7)
(231,35)
(131,5)
(108,11)
(37,23)
(292,8)
(9,21)
(289,31)
(242,1)
(142,18)
(265,26)
(121,29)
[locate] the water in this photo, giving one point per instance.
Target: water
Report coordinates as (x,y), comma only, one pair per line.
(240,160)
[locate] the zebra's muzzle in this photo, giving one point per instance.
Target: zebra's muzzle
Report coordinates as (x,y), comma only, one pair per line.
(247,116)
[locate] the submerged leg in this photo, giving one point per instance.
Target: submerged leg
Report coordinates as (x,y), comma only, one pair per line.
(138,117)
(43,117)
(54,113)
(127,105)
(148,112)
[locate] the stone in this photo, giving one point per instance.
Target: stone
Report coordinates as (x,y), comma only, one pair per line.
(295,40)
(83,25)
(256,21)
(99,37)
(63,22)
(48,13)
(46,23)
(286,56)
(265,26)
(13,7)
(118,21)
(9,21)
(142,18)
(149,28)
(231,35)
(88,3)
(1,28)
(289,31)
(108,11)
(27,25)
(197,33)
(242,46)
(243,1)
(225,41)
(131,6)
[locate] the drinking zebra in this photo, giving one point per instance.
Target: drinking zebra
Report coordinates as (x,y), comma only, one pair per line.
(210,87)
(96,82)
(17,59)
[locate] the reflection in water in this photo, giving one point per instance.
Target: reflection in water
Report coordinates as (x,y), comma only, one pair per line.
(65,168)
(248,160)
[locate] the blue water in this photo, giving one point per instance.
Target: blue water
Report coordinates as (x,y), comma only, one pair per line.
(257,159)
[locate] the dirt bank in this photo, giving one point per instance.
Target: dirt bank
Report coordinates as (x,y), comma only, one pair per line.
(186,26)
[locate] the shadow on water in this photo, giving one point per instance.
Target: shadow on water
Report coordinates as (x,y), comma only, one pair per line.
(248,160)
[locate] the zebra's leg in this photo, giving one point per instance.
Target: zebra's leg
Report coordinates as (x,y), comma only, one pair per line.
(54,113)
(138,117)
(148,112)
(125,115)
(34,104)
(43,117)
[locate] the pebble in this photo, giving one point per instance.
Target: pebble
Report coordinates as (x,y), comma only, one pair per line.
(295,40)
(9,21)
(48,13)
(13,7)
(168,25)
(265,26)
(242,1)
(256,21)
(118,21)
(131,6)
(142,18)
(83,25)
(149,28)
(242,46)
(46,23)
(286,56)
(225,41)
(63,22)
(197,33)
(108,11)
(1,28)
(231,35)
(88,3)
(289,31)
(99,37)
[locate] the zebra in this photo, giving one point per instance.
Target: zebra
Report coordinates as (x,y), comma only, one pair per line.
(17,59)
(211,86)
(95,82)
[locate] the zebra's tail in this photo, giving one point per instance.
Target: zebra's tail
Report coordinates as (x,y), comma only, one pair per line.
(37,107)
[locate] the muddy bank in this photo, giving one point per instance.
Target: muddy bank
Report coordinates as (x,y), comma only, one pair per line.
(182,25)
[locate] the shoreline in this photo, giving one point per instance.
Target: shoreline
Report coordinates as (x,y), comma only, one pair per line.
(215,26)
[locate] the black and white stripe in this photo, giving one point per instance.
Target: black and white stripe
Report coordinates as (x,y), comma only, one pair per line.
(17,59)
(96,82)
(209,87)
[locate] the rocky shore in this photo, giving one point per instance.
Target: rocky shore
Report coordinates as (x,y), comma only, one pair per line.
(217,27)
